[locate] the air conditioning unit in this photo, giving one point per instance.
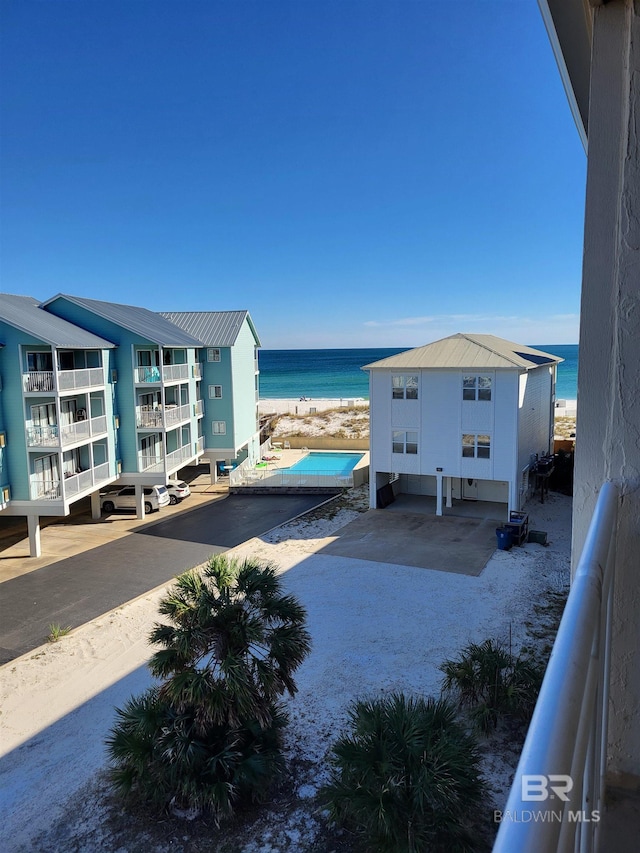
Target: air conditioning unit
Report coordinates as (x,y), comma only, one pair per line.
(114,375)
(6,494)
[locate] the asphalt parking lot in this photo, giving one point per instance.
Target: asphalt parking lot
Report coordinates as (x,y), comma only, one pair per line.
(75,590)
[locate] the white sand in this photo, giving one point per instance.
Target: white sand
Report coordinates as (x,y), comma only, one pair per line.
(376,627)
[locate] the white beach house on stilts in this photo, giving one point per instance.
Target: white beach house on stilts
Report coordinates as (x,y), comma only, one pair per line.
(463,418)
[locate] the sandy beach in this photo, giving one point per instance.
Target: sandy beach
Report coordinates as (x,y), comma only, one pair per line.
(349,418)
(57,702)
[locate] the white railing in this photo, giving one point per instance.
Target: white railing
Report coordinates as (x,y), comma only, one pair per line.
(149,416)
(45,490)
(176,457)
(176,414)
(77,483)
(81,430)
(150,462)
(147,374)
(38,380)
(565,749)
(198,408)
(266,475)
(200,444)
(42,435)
(69,380)
(197,370)
(175,372)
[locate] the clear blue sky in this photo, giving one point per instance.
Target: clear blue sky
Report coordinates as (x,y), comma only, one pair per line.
(354,172)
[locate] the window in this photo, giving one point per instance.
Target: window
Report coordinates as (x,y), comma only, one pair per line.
(404,442)
(215,392)
(219,427)
(476,446)
(213,354)
(476,387)
(404,387)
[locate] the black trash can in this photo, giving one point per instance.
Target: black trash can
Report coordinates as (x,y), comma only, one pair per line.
(504,538)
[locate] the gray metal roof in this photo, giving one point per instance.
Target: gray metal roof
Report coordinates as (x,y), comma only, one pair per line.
(148,324)
(473,352)
(26,314)
(213,328)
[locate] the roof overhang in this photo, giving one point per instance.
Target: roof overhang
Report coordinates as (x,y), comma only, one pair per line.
(569,25)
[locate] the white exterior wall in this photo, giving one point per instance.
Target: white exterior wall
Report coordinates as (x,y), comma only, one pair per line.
(535,417)
(608,443)
(440,417)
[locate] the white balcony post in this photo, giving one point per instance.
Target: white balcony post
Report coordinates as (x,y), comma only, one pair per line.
(439,491)
(139,501)
(33,528)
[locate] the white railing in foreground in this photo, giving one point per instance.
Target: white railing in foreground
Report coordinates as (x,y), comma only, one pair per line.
(557,791)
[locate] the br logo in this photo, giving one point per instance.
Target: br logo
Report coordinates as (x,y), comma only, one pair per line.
(536,788)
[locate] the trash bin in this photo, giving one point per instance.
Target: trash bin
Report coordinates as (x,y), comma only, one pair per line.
(504,538)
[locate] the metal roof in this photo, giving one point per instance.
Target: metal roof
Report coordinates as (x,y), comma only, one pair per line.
(473,352)
(26,314)
(148,324)
(213,328)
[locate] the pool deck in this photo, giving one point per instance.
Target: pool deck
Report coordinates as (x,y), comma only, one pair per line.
(273,475)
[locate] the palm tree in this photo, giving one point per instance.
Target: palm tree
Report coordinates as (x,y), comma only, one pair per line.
(209,734)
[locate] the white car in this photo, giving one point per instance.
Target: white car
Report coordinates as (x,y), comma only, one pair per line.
(178,491)
(125,498)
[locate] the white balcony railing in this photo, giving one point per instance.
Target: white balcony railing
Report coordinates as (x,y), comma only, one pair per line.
(39,435)
(38,380)
(200,444)
(69,486)
(566,744)
(147,374)
(175,372)
(77,483)
(179,456)
(157,417)
(198,408)
(197,370)
(45,490)
(150,462)
(81,430)
(69,380)
(176,414)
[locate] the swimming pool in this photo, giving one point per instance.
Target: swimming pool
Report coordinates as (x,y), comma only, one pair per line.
(335,464)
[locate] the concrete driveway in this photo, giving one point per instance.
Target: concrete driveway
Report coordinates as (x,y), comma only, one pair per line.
(445,543)
(80,588)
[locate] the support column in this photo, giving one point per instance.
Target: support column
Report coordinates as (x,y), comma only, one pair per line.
(213,472)
(33,528)
(608,445)
(449,495)
(139,501)
(95,505)
(439,492)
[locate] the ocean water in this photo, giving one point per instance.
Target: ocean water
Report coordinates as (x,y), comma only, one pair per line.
(337,372)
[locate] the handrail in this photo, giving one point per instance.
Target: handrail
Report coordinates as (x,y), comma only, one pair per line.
(555,799)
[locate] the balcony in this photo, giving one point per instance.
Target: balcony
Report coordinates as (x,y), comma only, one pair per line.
(50,435)
(175,372)
(149,463)
(72,380)
(69,486)
(150,375)
(198,407)
(157,417)
(200,444)
(197,370)
(566,744)
(37,381)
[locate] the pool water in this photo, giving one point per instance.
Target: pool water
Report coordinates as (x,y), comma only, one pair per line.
(337,464)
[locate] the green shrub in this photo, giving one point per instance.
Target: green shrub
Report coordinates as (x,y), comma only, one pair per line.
(209,734)
(406,778)
(491,682)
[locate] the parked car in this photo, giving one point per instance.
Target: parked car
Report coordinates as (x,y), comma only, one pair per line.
(178,491)
(125,498)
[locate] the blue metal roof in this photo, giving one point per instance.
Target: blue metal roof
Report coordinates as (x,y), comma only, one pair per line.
(26,314)
(213,328)
(148,324)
